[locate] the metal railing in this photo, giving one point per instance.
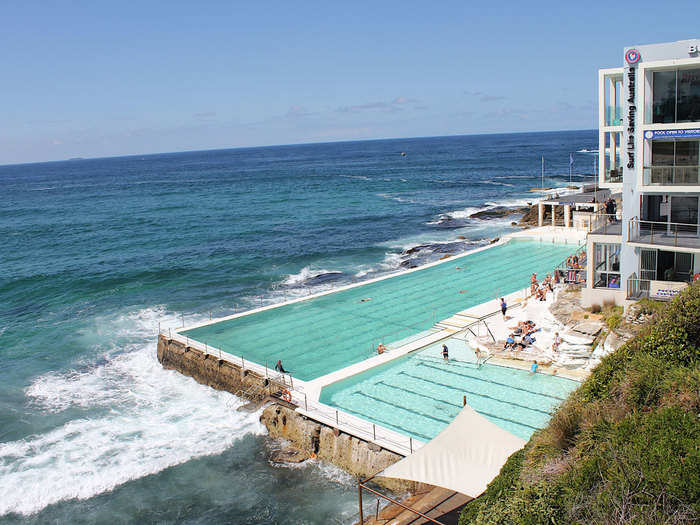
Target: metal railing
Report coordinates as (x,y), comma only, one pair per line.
(637,288)
(613,175)
(663,233)
(317,411)
(604,223)
(362,485)
(672,175)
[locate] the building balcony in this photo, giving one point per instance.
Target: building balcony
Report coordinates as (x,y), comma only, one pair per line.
(613,176)
(665,234)
(605,224)
(671,175)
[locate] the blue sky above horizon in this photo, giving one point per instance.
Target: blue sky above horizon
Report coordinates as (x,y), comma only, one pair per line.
(104,79)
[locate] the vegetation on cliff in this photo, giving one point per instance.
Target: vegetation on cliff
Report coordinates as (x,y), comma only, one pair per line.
(624,448)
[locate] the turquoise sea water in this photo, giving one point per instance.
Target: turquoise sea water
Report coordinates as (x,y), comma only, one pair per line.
(327,333)
(97,252)
(420,394)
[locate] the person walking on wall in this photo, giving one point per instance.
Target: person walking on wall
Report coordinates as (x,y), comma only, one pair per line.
(504,307)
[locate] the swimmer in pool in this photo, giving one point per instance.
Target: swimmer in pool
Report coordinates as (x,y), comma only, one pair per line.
(365,299)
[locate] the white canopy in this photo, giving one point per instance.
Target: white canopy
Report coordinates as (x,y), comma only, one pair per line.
(464,457)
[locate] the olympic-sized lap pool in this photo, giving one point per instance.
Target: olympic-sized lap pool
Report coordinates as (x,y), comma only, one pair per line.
(323,334)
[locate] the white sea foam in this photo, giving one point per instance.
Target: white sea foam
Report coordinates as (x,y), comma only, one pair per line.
(138,420)
(394,197)
(305,274)
(356,177)
(495,183)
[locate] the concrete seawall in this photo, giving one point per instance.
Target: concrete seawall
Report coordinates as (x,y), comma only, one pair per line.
(315,439)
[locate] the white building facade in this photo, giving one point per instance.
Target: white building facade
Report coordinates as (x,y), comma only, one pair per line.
(649,154)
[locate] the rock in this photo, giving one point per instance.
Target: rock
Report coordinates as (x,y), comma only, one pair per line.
(513,223)
(498,211)
(288,455)
(591,328)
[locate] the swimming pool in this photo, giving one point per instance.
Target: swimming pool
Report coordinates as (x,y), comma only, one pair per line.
(420,394)
(323,334)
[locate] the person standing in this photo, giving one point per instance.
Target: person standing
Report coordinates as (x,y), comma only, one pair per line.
(504,307)
(445,353)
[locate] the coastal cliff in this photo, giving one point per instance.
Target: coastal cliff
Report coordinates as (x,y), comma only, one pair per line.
(623,448)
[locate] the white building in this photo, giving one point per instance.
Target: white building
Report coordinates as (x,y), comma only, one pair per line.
(649,144)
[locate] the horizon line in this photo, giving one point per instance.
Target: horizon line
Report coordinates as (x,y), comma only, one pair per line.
(126,155)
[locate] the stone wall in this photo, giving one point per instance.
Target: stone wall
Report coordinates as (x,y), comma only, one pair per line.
(358,457)
(208,369)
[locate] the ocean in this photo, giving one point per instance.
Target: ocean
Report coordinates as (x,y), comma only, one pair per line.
(98,252)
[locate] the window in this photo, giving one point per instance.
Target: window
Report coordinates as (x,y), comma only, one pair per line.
(676,96)
(674,162)
(606,265)
(688,95)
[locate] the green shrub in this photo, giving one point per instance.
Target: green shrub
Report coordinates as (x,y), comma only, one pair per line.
(623,448)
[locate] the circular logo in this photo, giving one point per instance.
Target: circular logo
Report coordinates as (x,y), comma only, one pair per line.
(648,134)
(632,56)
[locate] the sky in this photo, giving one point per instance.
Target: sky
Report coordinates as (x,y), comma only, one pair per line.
(98,78)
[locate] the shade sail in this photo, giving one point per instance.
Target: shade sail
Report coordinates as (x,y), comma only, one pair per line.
(464,457)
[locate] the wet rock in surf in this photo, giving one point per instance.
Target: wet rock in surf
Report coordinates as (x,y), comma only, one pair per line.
(450,222)
(323,278)
(498,211)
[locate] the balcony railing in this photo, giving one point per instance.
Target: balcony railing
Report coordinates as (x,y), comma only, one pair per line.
(613,175)
(637,288)
(672,175)
(605,224)
(675,234)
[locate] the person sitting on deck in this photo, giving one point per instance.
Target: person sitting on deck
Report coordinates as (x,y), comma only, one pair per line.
(279,367)
(528,339)
(381,348)
(510,343)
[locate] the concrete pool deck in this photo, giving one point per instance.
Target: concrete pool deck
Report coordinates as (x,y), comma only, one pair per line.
(306,394)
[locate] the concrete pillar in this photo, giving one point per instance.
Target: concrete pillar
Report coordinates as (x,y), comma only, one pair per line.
(540,214)
(567,215)
(554,215)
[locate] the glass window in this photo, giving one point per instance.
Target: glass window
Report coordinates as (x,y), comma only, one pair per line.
(606,261)
(687,153)
(662,152)
(676,96)
(688,95)
(664,96)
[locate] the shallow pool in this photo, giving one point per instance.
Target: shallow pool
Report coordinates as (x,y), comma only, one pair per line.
(324,334)
(420,394)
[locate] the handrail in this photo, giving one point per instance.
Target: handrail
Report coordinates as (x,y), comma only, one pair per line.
(361,485)
(671,175)
(637,229)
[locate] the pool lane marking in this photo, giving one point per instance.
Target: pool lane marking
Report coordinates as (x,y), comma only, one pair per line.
(417,412)
(489,381)
(478,394)
(483,413)
(384,422)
